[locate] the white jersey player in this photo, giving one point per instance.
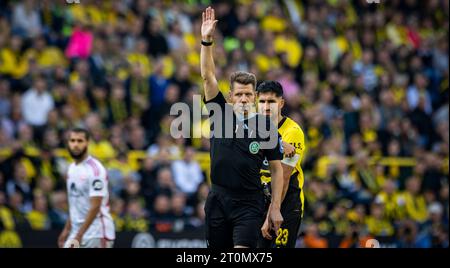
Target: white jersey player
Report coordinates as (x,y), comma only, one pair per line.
(90,224)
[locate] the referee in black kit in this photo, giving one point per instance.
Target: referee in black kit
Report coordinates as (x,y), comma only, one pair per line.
(239,143)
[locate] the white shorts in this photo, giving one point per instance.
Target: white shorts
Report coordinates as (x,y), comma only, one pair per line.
(94,243)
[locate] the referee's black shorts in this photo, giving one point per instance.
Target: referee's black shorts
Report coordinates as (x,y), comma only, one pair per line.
(291,210)
(233,219)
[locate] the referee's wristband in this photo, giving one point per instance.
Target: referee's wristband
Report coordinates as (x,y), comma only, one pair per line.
(206,43)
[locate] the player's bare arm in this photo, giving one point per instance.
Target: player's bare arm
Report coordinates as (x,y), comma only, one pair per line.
(289,151)
(287,171)
(95,203)
(65,233)
(275,218)
(207,66)
(288,164)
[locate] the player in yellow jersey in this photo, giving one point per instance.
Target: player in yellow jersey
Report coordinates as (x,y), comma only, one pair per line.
(270,103)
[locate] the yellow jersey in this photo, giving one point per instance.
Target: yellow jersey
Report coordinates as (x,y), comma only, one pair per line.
(291,133)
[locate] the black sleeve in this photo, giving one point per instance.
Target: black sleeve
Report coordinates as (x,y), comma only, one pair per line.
(218,99)
(277,152)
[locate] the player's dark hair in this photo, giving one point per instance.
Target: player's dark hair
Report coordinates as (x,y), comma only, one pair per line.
(270,86)
(81,130)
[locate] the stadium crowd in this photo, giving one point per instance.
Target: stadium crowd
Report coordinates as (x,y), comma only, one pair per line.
(368,83)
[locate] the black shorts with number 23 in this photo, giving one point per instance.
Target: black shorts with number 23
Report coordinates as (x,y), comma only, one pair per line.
(291,210)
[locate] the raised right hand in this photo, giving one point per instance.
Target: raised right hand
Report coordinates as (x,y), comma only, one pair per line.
(208,24)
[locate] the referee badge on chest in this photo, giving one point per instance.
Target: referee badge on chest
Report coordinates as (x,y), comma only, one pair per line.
(254,147)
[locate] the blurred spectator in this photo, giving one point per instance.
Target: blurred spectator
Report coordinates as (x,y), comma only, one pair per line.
(45,55)
(392,200)
(344,180)
(20,184)
(165,184)
(14,63)
(135,217)
(38,216)
(137,139)
(163,144)
(161,207)
(6,217)
(18,211)
(148,177)
(97,61)
(178,204)
(365,174)
(132,189)
(407,234)
(117,104)
(137,85)
(80,43)
(338,217)
(5,102)
(117,213)
(45,186)
(99,146)
(175,37)
(312,238)
(417,94)
(153,34)
(353,238)
(2,183)
(181,79)
(37,103)
(187,173)
(58,213)
(77,99)
(366,69)
(158,84)
(377,224)
(434,229)
(26,19)
(322,219)
(118,169)
(415,201)
(161,217)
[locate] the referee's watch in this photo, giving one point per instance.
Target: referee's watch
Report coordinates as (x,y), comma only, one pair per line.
(207,43)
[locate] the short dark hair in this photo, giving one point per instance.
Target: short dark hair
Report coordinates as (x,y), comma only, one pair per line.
(81,130)
(270,86)
(244,78)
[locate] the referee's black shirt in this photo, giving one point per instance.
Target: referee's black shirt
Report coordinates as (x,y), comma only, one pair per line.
(236,162)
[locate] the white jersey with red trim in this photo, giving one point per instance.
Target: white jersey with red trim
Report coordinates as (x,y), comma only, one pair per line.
(85,180)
